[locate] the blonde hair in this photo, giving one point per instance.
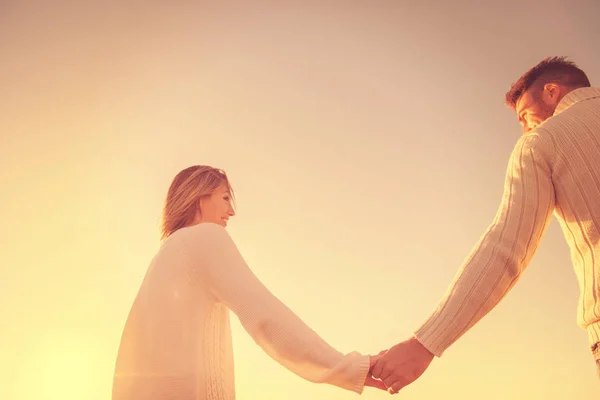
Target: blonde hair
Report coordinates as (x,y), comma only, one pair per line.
(183,198)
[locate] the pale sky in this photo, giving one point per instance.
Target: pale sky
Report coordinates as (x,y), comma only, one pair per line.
(367,143)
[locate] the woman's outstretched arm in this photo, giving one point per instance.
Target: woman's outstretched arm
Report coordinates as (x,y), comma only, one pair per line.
(219,266)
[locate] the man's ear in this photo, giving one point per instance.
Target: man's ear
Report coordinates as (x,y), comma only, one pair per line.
(551,91)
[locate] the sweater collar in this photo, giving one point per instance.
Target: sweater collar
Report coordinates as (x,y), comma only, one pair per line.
(575,96)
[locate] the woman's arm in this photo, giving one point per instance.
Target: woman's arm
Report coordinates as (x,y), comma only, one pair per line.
(282,335)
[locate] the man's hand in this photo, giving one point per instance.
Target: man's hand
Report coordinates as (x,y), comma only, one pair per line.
(374,382)
(402,364)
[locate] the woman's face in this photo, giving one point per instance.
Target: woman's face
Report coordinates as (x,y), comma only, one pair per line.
(217,207)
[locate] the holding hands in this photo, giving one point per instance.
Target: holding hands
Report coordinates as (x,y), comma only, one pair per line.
(399,366)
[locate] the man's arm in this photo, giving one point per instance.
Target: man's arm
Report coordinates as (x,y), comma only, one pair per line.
(491,270)
(498,260)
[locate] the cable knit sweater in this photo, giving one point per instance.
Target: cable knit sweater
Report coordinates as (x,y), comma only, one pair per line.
(176,344)
(553,169)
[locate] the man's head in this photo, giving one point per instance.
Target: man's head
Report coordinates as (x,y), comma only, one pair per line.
(536,94)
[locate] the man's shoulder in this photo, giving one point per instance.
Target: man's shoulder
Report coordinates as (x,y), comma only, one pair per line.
(578,115)
(538,142)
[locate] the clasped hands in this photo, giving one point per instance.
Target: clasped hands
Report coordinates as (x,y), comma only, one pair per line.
(399,366)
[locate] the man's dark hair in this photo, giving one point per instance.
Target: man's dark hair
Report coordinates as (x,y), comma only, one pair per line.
(550,70)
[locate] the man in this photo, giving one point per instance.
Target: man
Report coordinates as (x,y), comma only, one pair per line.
(554,167)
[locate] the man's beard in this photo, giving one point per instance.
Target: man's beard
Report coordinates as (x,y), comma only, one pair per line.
(546,111)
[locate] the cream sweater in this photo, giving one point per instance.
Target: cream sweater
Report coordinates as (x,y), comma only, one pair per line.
(555,168)
(176,344)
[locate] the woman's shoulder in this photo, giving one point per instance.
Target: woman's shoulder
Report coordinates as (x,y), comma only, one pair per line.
(204,232)
(201,240)
(202,229)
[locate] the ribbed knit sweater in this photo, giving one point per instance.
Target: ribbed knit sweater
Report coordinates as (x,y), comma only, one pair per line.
(177,342)
(553,169)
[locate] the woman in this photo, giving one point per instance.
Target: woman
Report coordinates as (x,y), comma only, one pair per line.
(177,339)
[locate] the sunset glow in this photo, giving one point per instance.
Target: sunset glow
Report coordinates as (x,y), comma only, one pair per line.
(366,143)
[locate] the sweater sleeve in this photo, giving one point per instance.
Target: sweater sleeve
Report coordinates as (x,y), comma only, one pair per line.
(273,326)
(504,251)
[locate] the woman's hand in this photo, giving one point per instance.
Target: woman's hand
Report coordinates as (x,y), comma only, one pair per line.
(370,381)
